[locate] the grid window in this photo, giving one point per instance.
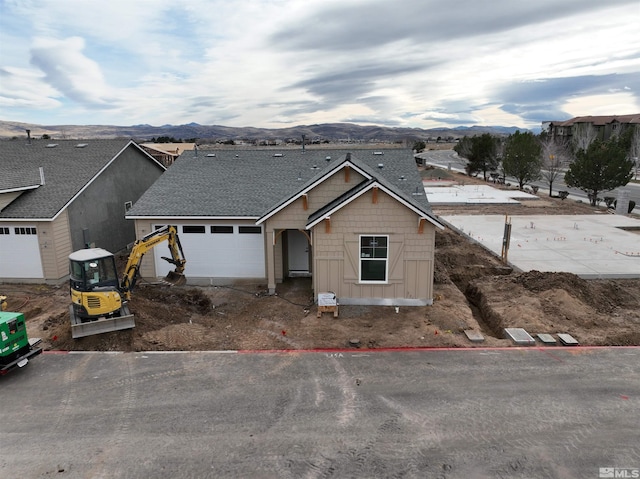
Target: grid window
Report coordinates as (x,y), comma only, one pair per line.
(220,229)
(193,229)
(25,231)
(4,231)
(250,229)
(374,255)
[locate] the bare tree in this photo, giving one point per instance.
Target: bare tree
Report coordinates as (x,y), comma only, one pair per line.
(634,149)
(583,135)
(554,156)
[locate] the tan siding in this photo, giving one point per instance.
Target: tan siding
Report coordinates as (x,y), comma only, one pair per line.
(279,257)
(410,267)
(63,245)
(55,247)
(295,216)
(147,266)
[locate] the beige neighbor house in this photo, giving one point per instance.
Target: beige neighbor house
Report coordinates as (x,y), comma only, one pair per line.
(358,223)
(166,153)
(603,127)
(58,196)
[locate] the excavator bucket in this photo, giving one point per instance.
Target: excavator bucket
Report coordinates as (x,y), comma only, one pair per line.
(177,279)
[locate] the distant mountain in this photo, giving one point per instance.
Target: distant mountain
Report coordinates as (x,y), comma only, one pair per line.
(209,133)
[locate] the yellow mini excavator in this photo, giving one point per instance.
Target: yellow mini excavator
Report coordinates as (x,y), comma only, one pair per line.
(99,299)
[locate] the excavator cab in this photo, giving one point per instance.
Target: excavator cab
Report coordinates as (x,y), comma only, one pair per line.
(95,293)
(99,299)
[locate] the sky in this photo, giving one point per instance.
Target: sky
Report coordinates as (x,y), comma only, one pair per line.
(282,63)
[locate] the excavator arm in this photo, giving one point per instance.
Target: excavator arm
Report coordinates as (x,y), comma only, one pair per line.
(142,246)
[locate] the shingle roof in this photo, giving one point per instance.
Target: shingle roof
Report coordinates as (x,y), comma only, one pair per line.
(67,169)
(250,183)
(601,120)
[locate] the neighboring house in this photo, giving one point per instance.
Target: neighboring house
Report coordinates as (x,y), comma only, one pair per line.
(604,126)
(166,153)
(58,196)
(359,223)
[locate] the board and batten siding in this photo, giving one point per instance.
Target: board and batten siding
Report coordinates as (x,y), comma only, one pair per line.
(294,216)
(336,253)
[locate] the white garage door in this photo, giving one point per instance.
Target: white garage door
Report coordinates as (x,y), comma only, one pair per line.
(19,252)
(218,251)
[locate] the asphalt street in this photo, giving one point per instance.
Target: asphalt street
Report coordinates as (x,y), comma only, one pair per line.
(450,159)
(482,413)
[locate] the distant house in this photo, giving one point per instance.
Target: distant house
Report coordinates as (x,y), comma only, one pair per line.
(57,196)
(604,126)
(166,153)
(358,223)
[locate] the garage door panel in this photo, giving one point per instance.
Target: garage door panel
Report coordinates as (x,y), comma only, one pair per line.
(219,255)
(20,252)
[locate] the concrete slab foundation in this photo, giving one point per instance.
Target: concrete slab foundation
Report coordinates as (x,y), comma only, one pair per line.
(590,246)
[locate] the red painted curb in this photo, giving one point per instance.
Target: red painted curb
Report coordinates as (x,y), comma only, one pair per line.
(375,350)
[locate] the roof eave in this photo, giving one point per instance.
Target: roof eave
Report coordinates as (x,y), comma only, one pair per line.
(423,214)
(308,188)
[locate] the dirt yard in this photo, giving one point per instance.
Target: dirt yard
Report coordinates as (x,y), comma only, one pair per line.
(473,291)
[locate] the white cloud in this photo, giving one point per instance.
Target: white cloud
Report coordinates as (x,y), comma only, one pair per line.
(71,73)
(264,62)
(611,104)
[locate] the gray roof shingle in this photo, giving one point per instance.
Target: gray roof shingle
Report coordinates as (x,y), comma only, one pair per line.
(250,183)
(67,169)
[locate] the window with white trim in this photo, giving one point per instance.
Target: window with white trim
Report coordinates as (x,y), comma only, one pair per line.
(374,257)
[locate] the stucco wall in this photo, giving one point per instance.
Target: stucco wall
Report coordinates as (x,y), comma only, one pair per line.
(100,208)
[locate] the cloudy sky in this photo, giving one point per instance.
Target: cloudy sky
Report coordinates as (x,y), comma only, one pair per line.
(277,63)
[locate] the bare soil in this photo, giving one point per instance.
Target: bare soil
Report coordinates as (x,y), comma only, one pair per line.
(473,291)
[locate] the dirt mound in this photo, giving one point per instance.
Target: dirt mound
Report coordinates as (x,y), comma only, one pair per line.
(597,312)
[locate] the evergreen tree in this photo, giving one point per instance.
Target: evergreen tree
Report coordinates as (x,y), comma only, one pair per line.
(522,158)
(602,166)
(481,153)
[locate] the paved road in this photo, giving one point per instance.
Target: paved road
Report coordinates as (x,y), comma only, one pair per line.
(449,158)
(517,413)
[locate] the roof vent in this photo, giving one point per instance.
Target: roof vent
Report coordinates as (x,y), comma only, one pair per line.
(237,156)
(299,176)
(327,159)
(417,192)
(82,145)
(315,167)
(378,152)
(210,155)
(380,165)
(51,145)
(277,155)
(402,178)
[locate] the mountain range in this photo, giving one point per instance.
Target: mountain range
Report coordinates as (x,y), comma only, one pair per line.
(210,133)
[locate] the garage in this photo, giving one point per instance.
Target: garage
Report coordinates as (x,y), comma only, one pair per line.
(20,252)
(218,251)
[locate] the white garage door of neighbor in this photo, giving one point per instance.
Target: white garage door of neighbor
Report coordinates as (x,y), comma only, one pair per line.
(20,252)
(218,251)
